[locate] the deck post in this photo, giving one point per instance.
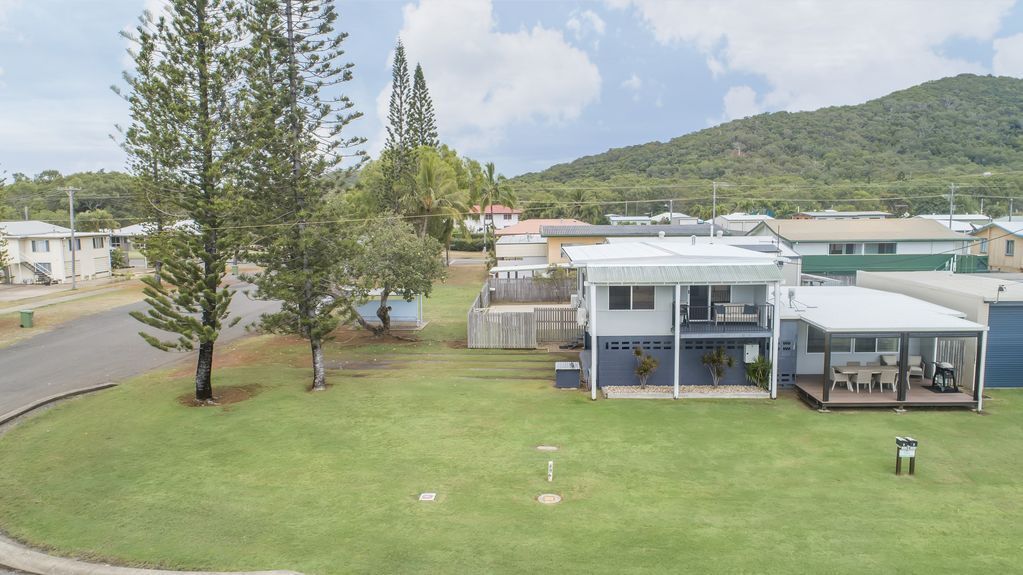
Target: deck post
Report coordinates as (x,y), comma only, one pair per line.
(775,335)
(676,313)
(826,392)
(593,341)
(978,381)
(903,392)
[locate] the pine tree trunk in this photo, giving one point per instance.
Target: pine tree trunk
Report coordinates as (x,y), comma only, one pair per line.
(204,373)
(157,267)
(319,374)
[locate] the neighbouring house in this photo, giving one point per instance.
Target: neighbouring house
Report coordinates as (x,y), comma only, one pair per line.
(559,237)
(497,217)
(962,223)
(522,245)
(849,346)
(131,239)
(1001,243)
(839,215)
(676,302)
(789,261)
(836,249)
(620,220)
(40,252)
(739,222)
(674,219)
(988,299)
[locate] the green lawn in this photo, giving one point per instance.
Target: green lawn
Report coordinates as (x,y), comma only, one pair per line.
(327,483)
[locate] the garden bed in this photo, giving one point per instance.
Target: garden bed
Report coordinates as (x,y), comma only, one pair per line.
(685,391)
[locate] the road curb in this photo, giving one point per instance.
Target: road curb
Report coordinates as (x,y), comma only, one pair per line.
(14,555)
(16,413)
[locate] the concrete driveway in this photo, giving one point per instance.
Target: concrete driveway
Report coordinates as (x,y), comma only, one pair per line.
(100,348)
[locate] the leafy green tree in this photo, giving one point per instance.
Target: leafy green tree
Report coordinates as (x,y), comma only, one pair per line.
(435,198)
(95,220)
(192,86)
(391,260)
(717,362)
(293,137)
(492,193)
(422,125)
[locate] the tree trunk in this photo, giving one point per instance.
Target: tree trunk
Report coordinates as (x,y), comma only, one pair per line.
(157,267)
(384,312)
(319,374)
(204,373)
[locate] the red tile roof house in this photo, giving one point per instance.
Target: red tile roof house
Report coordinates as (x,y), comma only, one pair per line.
(497,217)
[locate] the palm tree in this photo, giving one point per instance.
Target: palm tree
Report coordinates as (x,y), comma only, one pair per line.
(493,193)
(435,196)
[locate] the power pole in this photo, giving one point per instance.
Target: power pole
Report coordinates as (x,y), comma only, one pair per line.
(74,248)
(713,207)
(951,203)
(1010,209)
(26,213)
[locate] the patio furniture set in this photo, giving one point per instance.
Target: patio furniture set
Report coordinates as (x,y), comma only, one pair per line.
(885,372)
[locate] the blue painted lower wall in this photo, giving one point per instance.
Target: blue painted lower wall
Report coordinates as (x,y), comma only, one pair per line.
(616,362)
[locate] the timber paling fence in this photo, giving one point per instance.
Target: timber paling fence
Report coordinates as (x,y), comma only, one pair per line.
(518,329)
(528,290)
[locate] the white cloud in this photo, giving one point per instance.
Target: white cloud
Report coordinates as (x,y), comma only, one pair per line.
(1008,58)
(822,53)
(633,83)
(582,23)
(741,102)
(482,81)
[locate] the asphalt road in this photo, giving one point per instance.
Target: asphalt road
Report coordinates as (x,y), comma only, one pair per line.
(100,348)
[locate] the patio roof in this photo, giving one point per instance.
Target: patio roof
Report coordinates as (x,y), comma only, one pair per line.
(857,310)
(670,263)
(667,274)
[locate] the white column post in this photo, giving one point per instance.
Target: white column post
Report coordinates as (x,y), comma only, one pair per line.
(775,336)
(983,365)
(676,313)
(593,341)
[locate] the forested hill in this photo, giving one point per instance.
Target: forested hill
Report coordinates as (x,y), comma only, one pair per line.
(964,124)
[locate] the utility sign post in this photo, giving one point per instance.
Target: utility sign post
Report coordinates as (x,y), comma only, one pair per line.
(906,448)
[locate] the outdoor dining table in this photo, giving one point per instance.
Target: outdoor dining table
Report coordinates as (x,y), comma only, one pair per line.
(873,369)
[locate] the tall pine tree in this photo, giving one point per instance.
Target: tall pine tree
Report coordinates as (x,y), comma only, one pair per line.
(293,137)
(422,125)
(193,51)
(398,153)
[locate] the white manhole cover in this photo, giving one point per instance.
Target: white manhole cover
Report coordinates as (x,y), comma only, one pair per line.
(549,498)
(547,447)
(427,496)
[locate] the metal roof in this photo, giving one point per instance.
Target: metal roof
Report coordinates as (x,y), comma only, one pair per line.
(1014,227)
(836,231)
(669,274)
(989,287)
(622,231)
(853,310)
(844,214)
(36,228)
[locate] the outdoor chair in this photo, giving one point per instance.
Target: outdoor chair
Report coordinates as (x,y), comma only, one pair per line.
(916,366)
(864,377)
(838,377)
(887,377)
(889,360)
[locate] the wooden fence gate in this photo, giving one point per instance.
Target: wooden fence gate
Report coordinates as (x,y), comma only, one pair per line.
(556,325)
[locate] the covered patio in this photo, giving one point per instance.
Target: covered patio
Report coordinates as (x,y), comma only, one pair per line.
(899,377)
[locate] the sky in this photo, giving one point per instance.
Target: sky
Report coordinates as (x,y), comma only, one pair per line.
(528,84)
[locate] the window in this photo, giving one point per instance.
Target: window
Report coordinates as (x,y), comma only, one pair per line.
(841,249)
(1010,247)
(720,294)
(642,297)
(887,344)
(865,345)
(40,245)
(115,241)
(815,342)
(630,297)
(879,248)
(619,297)
(983,246)
(78,244)
(97,242)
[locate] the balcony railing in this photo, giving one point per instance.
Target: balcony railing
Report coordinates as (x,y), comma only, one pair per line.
(727,318)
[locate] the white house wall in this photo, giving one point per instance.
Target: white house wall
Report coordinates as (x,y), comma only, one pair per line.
(813,363)
(657,321)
